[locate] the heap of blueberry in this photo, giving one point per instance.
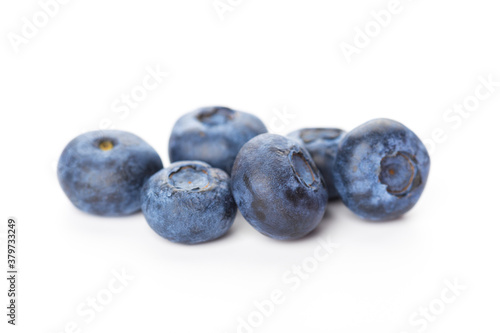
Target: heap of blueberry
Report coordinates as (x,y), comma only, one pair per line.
(224,160)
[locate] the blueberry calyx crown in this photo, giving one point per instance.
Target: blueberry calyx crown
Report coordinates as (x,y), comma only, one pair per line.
(189,178)
(399,172)
(216,115)
(105,144)
(302,168)
(312,134)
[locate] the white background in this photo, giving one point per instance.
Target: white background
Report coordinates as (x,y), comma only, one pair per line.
(265,57)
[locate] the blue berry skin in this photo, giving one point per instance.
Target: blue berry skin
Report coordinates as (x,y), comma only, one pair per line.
(189,202)
(278,188)
(322,144)
(102,172)
(381,169)
(214,135)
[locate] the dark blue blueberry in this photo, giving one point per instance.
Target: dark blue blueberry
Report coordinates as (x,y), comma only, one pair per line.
(214,135)
(189,202)
(278,188)
(102,172)
(322,144)
(381,169)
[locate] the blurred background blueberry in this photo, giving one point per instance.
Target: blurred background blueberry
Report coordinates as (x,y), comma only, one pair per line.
(102,172)
(322,144)
(381,169)
(189,202)
(278,188)
(213,135)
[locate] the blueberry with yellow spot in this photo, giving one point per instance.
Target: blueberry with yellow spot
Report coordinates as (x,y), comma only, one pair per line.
(102,172)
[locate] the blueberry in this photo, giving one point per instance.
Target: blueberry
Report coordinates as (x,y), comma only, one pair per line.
(278,188)
(381,169)
(189,202)
(322,144)
(213,135)
(102,172)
